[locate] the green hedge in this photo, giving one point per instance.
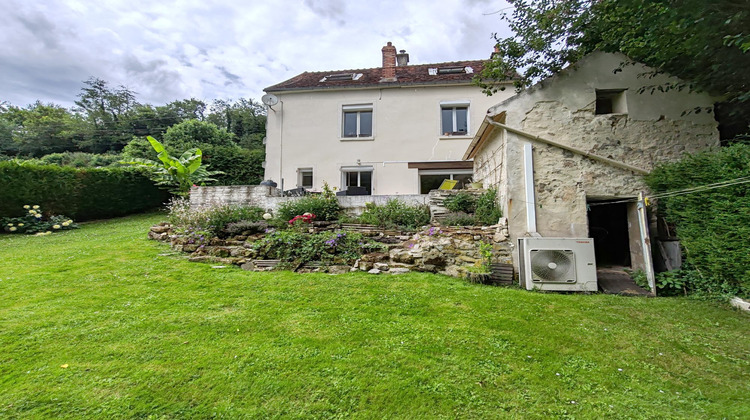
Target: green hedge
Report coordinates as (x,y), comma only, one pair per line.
(713,225)
(82,194)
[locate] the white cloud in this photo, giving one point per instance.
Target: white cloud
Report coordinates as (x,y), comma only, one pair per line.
(209,49)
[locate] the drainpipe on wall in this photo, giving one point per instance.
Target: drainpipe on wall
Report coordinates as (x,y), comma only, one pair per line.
(528,171)
(281,146)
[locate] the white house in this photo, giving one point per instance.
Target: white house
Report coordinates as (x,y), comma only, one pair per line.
(397,129)
(568,154)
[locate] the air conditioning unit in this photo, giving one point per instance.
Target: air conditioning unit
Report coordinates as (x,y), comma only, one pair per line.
(558,264)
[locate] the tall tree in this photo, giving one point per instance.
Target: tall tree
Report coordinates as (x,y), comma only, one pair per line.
(244,118)
(105,108)
(704,43)
(40,129)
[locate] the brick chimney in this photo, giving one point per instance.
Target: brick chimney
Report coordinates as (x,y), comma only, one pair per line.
(389,63)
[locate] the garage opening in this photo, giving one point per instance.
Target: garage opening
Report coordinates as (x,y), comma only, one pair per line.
(608,225)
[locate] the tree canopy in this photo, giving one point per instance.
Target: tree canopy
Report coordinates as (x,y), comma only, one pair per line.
(106,119)
(704,43)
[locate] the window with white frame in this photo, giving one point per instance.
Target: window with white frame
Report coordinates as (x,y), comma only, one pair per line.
(305,178)
(357,180)
(356,121)
(454,118)
(431,179)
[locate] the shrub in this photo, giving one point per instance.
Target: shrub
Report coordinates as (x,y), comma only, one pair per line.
(459,219)
(324,206)
(194,133)
(395,213)
(83,194)
(465,205)
(240,166)
(487,211)
(295,247)
(713,224)
(463,201)
(212,219)
(80,159)
(238,228)
(33,221)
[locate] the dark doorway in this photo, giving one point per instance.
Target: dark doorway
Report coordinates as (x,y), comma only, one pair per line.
(608,225)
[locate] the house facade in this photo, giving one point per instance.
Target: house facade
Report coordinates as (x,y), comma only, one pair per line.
(568,155)
(397,129)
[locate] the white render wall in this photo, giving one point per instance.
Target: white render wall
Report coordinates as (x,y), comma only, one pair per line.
(304,131)
(269,198)
(562,109)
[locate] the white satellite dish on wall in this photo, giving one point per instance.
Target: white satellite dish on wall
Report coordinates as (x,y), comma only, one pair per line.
(270,99)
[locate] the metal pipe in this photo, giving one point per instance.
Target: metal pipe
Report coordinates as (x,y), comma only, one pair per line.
(528,168)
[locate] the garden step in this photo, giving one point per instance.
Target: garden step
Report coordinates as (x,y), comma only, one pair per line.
(501,273)
(266,263)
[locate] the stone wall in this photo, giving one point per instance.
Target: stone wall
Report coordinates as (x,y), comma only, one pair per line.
(437,249)
(269,198)
(653,128)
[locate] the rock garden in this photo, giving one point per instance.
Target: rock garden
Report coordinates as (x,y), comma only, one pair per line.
(461,234)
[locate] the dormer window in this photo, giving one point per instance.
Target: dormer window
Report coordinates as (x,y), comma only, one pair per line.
(341,77)
(434,71)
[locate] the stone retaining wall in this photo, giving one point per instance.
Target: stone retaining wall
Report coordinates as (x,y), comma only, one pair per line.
(437,249)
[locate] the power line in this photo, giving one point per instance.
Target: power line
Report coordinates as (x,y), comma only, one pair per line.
(691,190)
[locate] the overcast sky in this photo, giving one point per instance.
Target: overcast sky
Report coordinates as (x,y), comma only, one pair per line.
(221,49)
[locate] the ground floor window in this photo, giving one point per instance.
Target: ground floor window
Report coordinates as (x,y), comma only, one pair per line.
(431,179)
(305,178)
(357,180)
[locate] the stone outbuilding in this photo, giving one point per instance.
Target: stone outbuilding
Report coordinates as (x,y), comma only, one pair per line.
(568,155)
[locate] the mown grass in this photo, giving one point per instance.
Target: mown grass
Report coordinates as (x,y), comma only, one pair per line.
(150,335)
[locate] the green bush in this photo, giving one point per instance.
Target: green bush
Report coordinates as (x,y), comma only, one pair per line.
(487,211)
(33,221)
(465,206)
(713,225)
(194,133)
(212,220)
(463,202)
(395,213)
(324,206)
(294,247)
(240,166)
(80,159)
(459,219)
(83,194)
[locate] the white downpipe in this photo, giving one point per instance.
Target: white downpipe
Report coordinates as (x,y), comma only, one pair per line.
(528,169)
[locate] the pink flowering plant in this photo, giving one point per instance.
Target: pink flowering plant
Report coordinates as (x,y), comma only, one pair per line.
(34,222)
(303,218)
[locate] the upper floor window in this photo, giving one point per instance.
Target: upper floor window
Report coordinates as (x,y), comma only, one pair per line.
(357,121)
(611,101)
(454,119)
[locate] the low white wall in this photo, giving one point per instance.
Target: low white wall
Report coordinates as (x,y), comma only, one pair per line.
(269,198)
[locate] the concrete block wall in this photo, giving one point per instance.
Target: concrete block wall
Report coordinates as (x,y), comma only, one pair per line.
(270,198)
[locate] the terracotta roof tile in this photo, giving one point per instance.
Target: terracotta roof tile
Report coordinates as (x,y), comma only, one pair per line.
(405,75)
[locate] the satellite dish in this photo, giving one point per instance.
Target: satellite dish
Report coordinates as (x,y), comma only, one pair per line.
(270,99)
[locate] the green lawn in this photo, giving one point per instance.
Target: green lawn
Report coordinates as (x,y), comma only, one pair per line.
(144,334)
